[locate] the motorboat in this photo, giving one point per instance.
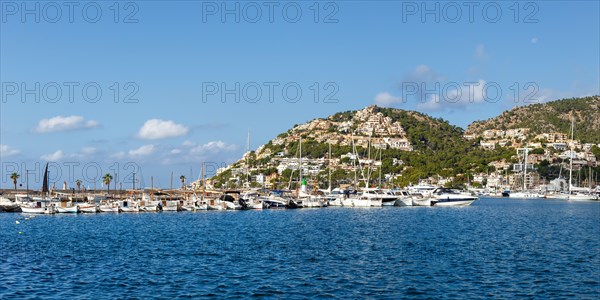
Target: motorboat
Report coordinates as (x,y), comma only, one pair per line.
(8,206)
(449,197)
(403,197)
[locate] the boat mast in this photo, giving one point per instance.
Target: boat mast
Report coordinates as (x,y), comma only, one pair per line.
(380,165)
(300,167)
(354,161)
(525,172)
(203,184)
(247,154)
(571,159)
(151,187)
(329,169)
(370,161)
(590,177)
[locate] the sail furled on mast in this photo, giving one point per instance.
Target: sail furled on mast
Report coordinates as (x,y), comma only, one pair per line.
(45,182)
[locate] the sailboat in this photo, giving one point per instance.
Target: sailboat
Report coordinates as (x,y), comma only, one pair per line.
(370,197)
(334,197)
(43,205)
(572,194)
(525,193)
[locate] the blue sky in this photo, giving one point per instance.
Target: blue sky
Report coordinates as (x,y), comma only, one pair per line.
(176,58)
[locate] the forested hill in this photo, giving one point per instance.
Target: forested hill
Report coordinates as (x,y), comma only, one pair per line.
(553,116)
(408,142)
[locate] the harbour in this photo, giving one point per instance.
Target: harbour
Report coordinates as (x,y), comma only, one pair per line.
(496,247)
(299,150)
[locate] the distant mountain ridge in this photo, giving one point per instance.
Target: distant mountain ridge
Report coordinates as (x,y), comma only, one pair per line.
(548,117)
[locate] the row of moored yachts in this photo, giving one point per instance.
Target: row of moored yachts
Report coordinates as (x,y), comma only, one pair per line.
(237,200)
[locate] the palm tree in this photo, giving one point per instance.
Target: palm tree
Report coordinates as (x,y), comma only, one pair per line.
(14,177)
(78,183)
(107,179)
(182,178)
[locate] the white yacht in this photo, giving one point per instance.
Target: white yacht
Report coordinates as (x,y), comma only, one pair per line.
(404,198)
(368,198)
(525,195)
(449,197)
(251,200)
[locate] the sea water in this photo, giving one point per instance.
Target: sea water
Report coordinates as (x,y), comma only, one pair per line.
(494,248)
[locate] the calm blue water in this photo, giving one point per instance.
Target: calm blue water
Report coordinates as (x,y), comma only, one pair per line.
(494,248)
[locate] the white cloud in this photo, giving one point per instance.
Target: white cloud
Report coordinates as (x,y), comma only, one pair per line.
(212,147)
(457,95)
(191,152)
(469,92)
(119,155)
(386,99)
(56,156)
(60,123)
(138,153)
(480,51)
(142,151)
(432,103)
(422,69)
(422,73)
(159,129)
(535,40)
(88,150)
(6,151)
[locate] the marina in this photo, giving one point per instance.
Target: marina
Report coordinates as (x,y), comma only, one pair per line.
(496,247)
(299,150)
(256,199)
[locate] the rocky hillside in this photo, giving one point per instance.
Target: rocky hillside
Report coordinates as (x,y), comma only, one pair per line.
(549,117)
(379,128)
(407,146)
(409,143)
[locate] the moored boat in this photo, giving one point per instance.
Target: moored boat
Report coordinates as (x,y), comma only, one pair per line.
(129,205)
(39,207)
(449,197)
(88,208)
(109,208)
(8,206)
(68,209)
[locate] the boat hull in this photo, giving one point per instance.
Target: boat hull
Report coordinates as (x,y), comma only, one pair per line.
(347,202)
(130,209)
(38,210)
(109,209)
(150,208)
(403,202)
(216,207)
(453,202)
(581,198)
(421,202)
(91,209)
(366,202)
(10,208)
(68,210)
(521,195)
